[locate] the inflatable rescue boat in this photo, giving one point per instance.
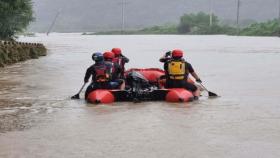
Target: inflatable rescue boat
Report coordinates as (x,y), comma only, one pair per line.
(142,85)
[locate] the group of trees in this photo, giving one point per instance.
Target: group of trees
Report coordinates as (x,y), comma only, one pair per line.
(269,28)
(199,24)
(195,23)
(15,16)
(190,24)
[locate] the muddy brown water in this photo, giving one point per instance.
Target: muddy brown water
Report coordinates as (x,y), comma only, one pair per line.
(37,118)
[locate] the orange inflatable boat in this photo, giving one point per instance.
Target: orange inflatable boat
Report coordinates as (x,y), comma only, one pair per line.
(142,85)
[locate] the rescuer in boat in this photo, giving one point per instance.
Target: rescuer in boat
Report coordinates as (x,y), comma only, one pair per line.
(115,70)
(101,73)
(177,71)
(120,59)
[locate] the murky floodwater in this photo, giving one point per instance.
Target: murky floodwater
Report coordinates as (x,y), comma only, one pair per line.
(37,118)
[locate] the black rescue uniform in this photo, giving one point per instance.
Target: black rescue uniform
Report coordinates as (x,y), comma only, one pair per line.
(115,71)
(104,76)
(177,72)
(121,60)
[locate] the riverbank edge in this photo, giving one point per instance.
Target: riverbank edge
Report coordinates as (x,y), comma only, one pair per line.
(14,52)
(270,28)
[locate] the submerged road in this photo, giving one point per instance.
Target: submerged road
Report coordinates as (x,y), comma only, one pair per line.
(38,119)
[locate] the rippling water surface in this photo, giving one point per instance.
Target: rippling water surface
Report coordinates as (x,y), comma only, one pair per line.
(37,118)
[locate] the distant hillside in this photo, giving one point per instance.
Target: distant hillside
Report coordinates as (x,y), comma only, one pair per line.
(102,15)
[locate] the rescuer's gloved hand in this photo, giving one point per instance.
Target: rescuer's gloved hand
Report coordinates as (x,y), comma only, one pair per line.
(198,80)
(168,54)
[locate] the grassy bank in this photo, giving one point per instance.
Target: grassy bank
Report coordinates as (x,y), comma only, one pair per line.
(269,28)
(13,52)
(165,29)
(198,24)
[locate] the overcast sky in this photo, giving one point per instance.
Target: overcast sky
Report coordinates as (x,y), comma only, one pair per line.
(95,15)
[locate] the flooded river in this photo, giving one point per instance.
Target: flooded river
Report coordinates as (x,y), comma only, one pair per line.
(38,119)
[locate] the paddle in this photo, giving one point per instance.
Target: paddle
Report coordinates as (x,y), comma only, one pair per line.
(211,94)
(77,96)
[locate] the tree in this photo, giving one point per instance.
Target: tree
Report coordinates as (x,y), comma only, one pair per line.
(269,28)
(193,22)
(15,16)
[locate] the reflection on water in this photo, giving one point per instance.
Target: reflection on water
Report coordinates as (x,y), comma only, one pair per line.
(38,119)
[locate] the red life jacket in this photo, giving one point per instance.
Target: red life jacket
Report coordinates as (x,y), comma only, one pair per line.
(102,73)
(110,66)
(119,60)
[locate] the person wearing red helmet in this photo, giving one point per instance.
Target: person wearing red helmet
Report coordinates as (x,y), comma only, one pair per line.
(99,72)
(104,73)
(120,59)
(115,71)
(177,71)
(109,56)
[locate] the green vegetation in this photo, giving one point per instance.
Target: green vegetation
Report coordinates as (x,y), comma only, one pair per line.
(189,24)
(195,23)
(15,16)
(12,52)
(269,28)
(166,29)
(198,24)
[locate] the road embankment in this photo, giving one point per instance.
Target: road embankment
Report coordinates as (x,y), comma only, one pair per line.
(13,52)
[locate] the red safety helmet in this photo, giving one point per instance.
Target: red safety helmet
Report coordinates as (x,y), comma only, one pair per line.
(109,55)
(177,53)
(117,51)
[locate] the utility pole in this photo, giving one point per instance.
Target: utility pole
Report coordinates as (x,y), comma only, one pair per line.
(123,3)
(279,11)
(279,19)
(53,22)
(237,16)
(123,20)
(211,13)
